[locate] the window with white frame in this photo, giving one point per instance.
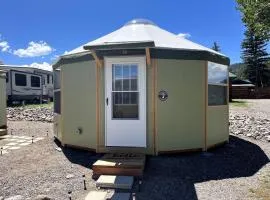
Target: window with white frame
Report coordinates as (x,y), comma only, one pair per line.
(217,84)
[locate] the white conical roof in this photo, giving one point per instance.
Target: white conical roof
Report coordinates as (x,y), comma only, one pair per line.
(144,31)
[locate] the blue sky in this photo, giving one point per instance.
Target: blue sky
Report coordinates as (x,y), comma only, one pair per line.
(37,32)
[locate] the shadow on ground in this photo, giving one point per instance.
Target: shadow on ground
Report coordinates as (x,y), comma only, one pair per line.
(80,157)
(173,176)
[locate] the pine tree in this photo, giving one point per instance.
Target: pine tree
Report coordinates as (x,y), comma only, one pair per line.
(216,47)
(255,57)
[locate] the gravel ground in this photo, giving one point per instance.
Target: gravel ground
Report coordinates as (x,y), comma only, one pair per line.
(35,112)
(251,118)
(238,170)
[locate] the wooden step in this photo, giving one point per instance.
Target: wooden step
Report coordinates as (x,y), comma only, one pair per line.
(115,182)
(3,132)
(120,164)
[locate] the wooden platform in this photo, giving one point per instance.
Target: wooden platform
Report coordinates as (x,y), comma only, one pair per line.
(3,132)
(125,164)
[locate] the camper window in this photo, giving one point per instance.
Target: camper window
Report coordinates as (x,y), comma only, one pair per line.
(35,81)
(20,79)
(7,77)
(48,79)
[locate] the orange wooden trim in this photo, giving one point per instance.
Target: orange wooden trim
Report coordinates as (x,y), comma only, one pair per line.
(78,147)
(180,151)
(148,57)
(98,62)
(206,106)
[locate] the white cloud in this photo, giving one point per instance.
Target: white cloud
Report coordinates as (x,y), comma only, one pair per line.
(34,49)
(66,52)
(44,66)
(184,35)
(4,46)
(54,57)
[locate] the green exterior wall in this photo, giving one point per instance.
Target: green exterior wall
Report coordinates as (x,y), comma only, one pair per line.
(3,119)
(181,118)
(78,88)
(57,125)
(218,124)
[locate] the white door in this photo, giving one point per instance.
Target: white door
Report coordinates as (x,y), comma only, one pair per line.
(125,82)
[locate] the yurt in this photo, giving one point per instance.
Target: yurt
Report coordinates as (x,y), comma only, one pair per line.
(141,89)
(3,120)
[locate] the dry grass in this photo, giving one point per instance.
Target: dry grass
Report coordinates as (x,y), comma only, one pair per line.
(239,103)
(263,191)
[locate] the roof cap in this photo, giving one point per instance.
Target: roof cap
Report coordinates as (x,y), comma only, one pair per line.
(140,21)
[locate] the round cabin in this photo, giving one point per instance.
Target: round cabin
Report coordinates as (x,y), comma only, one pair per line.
(141,89)
(3,119)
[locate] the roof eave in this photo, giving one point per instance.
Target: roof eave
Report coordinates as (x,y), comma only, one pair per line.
(127,45)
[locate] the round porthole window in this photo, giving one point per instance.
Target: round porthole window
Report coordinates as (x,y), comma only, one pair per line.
(163,95)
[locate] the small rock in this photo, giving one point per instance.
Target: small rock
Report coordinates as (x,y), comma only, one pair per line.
(69,176)
(249,135)
(58,149)
(43,197)
(17,197)
(1,198)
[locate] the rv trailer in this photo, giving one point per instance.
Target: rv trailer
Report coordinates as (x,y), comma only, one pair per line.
(28,84)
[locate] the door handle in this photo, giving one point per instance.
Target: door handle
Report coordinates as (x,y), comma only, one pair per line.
(107,100)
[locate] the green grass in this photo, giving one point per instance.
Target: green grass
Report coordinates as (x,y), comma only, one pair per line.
(239,103)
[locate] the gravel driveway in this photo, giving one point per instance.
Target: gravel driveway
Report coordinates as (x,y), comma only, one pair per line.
(238,170)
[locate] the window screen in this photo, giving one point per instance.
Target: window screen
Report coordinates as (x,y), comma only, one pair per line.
(35,81)
(20,80)
(217,84)
(217,95)
(57,102)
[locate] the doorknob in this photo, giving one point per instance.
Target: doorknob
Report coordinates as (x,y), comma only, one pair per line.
(107,100)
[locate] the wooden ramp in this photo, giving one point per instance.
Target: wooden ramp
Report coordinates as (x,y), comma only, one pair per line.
(124,164)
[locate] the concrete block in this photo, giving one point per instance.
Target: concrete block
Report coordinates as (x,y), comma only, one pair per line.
(116,182)
(96,195)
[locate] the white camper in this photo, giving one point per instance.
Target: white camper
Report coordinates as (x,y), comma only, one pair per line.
(28,84)
(3,117)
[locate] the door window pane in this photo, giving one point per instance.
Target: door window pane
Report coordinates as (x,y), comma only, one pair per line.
(117,98)
(125,105)
(20,79)
(124,91)
(134,98)
(117,76)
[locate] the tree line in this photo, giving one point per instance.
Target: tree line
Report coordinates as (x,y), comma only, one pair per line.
(255,58)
